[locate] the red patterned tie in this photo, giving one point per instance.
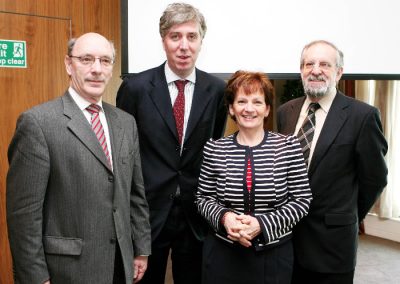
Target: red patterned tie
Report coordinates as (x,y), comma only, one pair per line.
(179,108)
(98,129)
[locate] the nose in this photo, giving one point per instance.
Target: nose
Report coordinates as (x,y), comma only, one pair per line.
(316,69)
(184,43)
(96,66)
(249,107)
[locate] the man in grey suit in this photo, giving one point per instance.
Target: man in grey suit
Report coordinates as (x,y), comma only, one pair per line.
(76,208)
(346,167)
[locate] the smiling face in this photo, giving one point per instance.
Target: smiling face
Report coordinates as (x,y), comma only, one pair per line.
(319,71)
(182,45)
(89,81)
(249,110)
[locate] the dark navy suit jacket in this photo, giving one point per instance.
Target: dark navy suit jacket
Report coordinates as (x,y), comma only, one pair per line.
(146,97)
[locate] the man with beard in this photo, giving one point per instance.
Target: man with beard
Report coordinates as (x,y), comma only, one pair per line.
(346,166)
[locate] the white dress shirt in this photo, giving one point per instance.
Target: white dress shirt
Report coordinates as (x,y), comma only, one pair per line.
(83,104)
(173,92)
(320,115)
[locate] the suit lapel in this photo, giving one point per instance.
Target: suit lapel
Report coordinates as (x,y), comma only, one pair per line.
(81,128)
(159,94)
(294,115)
(334,121)
(116,131)
(201,97)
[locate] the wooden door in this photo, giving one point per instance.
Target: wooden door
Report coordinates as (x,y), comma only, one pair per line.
(21,88)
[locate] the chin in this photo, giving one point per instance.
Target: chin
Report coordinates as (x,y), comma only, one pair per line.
(316,93)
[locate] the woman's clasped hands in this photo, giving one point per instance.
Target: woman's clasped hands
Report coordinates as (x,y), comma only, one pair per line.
(241,228)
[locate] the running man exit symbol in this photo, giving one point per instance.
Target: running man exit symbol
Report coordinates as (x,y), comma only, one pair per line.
(13,53)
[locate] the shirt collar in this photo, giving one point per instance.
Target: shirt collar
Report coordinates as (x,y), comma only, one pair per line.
(325,102)
(171,76)
(81,102)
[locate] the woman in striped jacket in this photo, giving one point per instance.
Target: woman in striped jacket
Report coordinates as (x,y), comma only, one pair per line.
(253,188)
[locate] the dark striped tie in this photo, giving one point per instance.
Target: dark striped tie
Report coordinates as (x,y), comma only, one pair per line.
(98,129)
(306,132)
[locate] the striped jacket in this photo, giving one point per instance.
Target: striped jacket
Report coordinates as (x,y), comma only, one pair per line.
(280,194)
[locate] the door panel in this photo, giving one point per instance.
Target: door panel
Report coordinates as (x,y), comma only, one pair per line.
(21,88)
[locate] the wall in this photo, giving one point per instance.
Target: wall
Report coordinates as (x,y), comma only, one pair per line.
(384,228)
(46,26)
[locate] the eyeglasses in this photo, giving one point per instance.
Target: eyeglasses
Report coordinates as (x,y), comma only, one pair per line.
(308,66)
(88,60)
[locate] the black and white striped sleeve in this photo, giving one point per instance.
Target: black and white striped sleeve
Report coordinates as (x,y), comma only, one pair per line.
(211,177)
(293,185)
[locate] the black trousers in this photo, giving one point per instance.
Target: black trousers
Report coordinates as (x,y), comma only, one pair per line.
(186,252)
(119,273)
(302,275)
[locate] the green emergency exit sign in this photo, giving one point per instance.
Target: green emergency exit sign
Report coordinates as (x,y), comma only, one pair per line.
(12,53)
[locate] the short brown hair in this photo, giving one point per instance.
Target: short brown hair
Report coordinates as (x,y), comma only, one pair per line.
(249,82)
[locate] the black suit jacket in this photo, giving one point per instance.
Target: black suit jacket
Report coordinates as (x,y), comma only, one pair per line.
(347,173)
(146,97)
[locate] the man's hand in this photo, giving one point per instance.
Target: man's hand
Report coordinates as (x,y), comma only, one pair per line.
(139,268)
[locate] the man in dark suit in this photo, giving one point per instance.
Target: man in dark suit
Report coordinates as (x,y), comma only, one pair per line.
(76,207)
(347,169)
(171,157)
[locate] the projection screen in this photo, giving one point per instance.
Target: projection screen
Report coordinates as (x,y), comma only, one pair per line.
(268,36)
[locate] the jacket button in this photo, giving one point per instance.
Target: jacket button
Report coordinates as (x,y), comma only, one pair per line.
(110,178)
(113,241)
(172,196)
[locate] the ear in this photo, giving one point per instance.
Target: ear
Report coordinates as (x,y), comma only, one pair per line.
(268,109)
(339,74)
(231,113)
(67,62)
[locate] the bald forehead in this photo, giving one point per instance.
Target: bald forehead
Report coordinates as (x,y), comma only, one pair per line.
(93,44)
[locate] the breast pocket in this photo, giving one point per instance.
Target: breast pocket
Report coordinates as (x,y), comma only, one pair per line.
(339,157)
(126,153)
(128,158)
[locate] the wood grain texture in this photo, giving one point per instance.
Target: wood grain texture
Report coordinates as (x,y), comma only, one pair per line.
(104,17)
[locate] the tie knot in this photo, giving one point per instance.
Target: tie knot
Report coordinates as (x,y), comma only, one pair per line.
(180,84)
(313,107)
(93,108)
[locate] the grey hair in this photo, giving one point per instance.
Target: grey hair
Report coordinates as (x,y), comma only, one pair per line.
(339,56)
(179,13)
(72,41)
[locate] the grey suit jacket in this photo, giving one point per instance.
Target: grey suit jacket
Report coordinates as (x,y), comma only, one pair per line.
(347,173)
(66,210)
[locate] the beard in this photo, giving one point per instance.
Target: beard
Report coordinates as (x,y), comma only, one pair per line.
(317,92)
